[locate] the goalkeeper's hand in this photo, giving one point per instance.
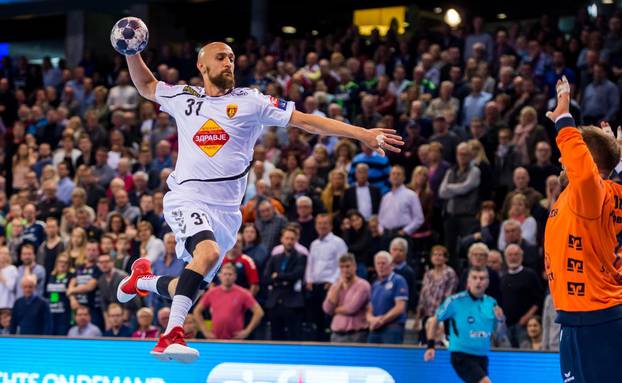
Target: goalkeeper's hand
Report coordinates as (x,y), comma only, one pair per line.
(563,99)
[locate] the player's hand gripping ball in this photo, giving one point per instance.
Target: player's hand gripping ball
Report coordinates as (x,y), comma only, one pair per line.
(129,36)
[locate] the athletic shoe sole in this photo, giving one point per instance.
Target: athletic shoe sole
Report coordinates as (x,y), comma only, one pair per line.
(177,353)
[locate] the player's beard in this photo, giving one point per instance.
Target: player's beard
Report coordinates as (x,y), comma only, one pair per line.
(222,81)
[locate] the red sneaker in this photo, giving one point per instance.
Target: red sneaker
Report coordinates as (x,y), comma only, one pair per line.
(173,347)
(127,289)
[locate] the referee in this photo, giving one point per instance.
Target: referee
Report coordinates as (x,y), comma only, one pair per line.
(472,317)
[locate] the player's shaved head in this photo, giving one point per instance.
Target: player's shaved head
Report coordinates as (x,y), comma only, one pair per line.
(215,62)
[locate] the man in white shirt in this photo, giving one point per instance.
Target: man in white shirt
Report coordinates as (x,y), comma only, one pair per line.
(362,196)
(321,272)
(400,209)
(217,126)
(123,96)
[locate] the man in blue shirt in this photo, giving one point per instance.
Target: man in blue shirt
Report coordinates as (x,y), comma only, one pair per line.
(386,313)
(472,318)
(31,313)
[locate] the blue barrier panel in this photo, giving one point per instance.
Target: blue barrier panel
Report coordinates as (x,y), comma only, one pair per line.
(59,360)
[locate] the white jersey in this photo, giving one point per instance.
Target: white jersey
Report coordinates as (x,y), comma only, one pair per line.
(216,137)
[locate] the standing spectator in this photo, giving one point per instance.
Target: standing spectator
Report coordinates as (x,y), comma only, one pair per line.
(447,138)
(379,168)
(478,35)
(101,172)
(29,267)
(145,328)
(150,246)
(65,184)
(31,313)
(244,266)
(521,185)
(322,271)
(527,134)
(369,116)
(83,287)
(513,233)
(519,212)
(33,229)
(285,302)
(542,168)
(304,210)
(167,264)
(358,238)
(601,98)
(534,334)
(228,304)
(346,301)
(116,328)
(333,194)
(521,294)
(478,257)
(269,224)
(5,321)
(123,96)
(439,282)
(251,246)
(8,279)
(473,105)
(444,102)
(56,295)
(550,329)
(84,328)
(386,313)
(460,191)
(51,247)
(362,196)
(398,250)
(299,248)
(400,210)
(49,204)
(123,206)
(108,282)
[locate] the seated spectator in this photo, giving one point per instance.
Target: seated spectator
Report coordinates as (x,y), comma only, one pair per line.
(534,334)
(521,295)
(346,301)
(56,295)
(227,304)
(5,321)
(8,279)
(150,246)
(163,316)
(116,328)
(283,276)
(84,328)
(145,328)
(31,313)
(386,313)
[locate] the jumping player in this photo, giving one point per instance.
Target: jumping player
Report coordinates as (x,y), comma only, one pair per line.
(218,126)
(582,262)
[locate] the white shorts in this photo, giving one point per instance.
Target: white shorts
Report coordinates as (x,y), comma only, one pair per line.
(188,216)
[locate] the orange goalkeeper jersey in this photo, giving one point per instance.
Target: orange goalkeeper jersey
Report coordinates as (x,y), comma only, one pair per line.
(581,257)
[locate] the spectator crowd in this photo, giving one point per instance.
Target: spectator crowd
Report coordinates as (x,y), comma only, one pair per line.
(338,243)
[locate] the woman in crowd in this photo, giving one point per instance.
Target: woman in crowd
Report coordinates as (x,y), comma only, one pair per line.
(520,212)
(56,294)
(534,333)
(145,328)
(357,236)
(439,282)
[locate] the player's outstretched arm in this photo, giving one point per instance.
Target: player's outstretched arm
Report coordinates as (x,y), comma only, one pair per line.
(378,139)
(142,77)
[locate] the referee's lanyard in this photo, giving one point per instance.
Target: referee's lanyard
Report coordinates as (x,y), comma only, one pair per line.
(284,263)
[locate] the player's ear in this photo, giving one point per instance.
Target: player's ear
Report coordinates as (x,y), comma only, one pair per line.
(201,67)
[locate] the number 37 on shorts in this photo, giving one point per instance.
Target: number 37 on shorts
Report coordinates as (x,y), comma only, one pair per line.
(186,222)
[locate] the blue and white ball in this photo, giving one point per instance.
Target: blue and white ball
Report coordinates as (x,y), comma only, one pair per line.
(129,36)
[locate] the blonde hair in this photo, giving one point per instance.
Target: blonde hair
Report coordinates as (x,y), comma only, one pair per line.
(477,149)
(80,259)
(329,190)
(426,186)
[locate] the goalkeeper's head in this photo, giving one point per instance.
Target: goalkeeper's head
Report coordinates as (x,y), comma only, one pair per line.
(603,148)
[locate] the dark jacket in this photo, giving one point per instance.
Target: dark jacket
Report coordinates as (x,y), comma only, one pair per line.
(350,202)
(31,316)
(286,288)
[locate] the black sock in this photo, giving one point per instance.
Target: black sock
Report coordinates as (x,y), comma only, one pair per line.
(188,283)
(162,286)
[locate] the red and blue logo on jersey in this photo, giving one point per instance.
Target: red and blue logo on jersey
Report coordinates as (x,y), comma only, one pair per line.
(278,103)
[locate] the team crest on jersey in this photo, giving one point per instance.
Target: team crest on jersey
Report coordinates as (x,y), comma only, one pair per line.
(278,103)
(210,137)
(232,109)
(190,90)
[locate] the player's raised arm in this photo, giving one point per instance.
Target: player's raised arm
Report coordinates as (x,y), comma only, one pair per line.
(143,79)
(378,139)
(585,172)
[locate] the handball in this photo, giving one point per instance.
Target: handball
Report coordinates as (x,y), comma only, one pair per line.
(129,36)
